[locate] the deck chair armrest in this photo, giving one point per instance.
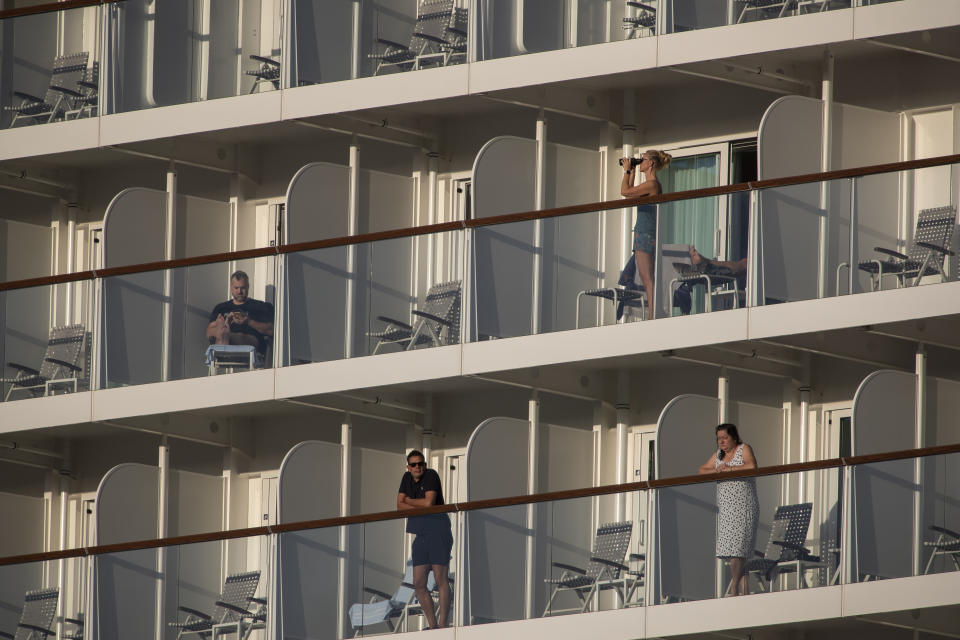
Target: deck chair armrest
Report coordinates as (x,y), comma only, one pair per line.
(891,253)
(75,621)
(640,5)
(24,368)
(389,320)
(233,607)
(937,248)
(570,567)
(64,363)
(262,601)
(36,629)
(638,556)
(430,316)
(391,43)
(69,92)
(757,554)
(377,592)
(264,60)
(611,563)
(194,612)
(945,531)
(4,634)
(32,98)
(87,84)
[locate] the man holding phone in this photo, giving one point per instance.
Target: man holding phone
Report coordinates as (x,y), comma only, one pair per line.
(420,487)
(241,320)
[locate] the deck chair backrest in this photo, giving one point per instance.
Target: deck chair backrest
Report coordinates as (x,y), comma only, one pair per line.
(778,531)
(443,301)
(433,18)
(798,522)
(934,226)
(65,344)
(68,71)
(237,591)
(39,608)
(610,544)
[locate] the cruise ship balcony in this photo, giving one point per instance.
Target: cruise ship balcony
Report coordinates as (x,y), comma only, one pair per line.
(493,293)
(863,545)
(93,73)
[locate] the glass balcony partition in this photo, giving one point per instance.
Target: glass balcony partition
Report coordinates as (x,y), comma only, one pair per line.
(576,271)
(363,299)
(855,235)
(166,324)
(688,15)
(554,558)
(744,536)
(907,517)
(335,40)
(180,51)
(49,67)
(515,27)
(46,337)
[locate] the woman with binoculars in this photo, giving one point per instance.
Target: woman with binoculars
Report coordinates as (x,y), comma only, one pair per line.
(645,229)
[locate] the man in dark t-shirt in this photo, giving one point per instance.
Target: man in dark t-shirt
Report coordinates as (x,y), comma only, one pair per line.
(420,487)
(241,320)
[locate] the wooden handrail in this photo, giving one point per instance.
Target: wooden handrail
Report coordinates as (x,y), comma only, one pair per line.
(666,483)
(50,7)
(592,207)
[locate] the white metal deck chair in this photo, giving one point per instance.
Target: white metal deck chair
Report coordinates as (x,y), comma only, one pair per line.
(61,94)
(606,569)
(62,365)
(36,617)
(431,42)
(232,610)
(436,323)
(642,16)
(390,610)
(931,245)
(947,544)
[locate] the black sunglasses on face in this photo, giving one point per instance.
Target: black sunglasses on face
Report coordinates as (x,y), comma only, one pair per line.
(417,464)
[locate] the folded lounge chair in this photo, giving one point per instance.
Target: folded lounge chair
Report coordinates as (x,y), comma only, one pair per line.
(61,366)
(436,323)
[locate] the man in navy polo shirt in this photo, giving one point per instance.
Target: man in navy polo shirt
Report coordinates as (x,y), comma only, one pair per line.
(420,487)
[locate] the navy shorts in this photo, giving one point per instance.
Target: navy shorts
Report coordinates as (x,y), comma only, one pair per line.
(432,547)
(645,230)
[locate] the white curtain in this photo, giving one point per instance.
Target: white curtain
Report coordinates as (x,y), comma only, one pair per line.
(691,221)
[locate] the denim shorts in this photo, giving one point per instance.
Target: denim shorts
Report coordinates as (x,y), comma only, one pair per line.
(645,230)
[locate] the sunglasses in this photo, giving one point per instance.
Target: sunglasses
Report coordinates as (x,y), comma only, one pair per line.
(417,464)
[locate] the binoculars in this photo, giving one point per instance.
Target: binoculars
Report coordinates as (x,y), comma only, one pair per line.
(633,162)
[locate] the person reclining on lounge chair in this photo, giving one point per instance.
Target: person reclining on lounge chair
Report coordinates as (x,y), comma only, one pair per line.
(241,320)
(738,268)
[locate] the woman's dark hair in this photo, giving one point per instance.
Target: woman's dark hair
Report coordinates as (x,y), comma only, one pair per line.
(731,430)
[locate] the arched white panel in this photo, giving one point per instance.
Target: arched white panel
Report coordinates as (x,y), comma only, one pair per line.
(686,516)
(134,227)
(24,535)
(309,489)
(127,582)
(317,200)
(789,142)
(133,307)
(497,538)
(883,420)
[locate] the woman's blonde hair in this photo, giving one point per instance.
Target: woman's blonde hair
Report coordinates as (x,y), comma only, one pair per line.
(660,158)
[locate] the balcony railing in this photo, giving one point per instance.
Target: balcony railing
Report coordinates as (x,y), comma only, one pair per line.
(494,278)
(826,523)
(84,58)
